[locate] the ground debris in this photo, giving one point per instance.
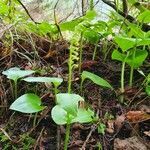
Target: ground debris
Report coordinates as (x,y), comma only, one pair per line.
(132,143)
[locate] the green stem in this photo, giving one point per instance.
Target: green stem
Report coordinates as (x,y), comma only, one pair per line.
(95,50)
(131,77)
(34,121)
(132,70)
(81,86)
(15,89)
(122,78)
(70,74)
(81,51)
(67,136)
(55,90)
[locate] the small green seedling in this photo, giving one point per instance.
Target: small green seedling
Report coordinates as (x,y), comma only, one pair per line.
(68,111)
(14,74)
(96,79)
(27,103)
(55,81)
(130,54)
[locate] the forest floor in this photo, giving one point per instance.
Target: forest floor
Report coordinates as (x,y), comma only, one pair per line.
(127,124)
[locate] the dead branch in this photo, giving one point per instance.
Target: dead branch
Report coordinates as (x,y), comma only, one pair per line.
(145,27)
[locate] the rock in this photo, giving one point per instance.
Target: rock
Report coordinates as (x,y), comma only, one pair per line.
(132,143)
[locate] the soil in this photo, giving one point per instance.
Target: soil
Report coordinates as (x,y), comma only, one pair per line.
(123,121)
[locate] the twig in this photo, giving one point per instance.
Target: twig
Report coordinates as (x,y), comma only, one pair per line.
(93,128)
(27,12)
(55,19)
(36,144)
(130,18)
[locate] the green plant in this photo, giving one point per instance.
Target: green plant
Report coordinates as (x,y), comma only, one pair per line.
(15,74)
(96,79)
(56,81)
(131,54)
(68,111)
(27,103)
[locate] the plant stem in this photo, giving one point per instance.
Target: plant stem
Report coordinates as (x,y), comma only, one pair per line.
(132,70)
(81,51)
(81,86)
(95,50)
(55,90)
(67,136)
(34,121)
(70,73)
(131,77)
(122,78)
(15,89)
(122,82)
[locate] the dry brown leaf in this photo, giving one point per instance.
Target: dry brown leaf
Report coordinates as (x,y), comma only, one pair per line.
(110,126)
(132,143)
(137,116)
(119,121)
(51,53)
(147,133)
(88,64)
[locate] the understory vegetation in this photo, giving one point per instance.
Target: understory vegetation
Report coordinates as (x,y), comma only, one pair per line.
(81,83)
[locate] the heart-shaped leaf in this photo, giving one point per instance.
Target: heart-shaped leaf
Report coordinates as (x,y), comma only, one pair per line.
(116,55)
(84,116)
(69,102)
(15,73)
(138,59)
(125,43)
(27,103)
(135,62)
(59,115)
(144,16)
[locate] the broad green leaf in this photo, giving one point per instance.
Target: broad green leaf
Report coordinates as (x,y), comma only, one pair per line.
(4,9)
(70,25)
(147,89)
(144,41)
(90,15)
(84,116)
(125,43)
(45,27)
(56,81)
(96,79)
(59,115)
(69,102)
(116,55)
(27,103)
(91,36)
(138,59)
(15,73)
(136,31)
(144,16)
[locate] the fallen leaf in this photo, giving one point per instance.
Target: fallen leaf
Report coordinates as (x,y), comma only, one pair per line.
(88,64)
(119,121)
(147,133)
(50,53)
(137,116)
(132,143)
(110,126)
(145,108)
